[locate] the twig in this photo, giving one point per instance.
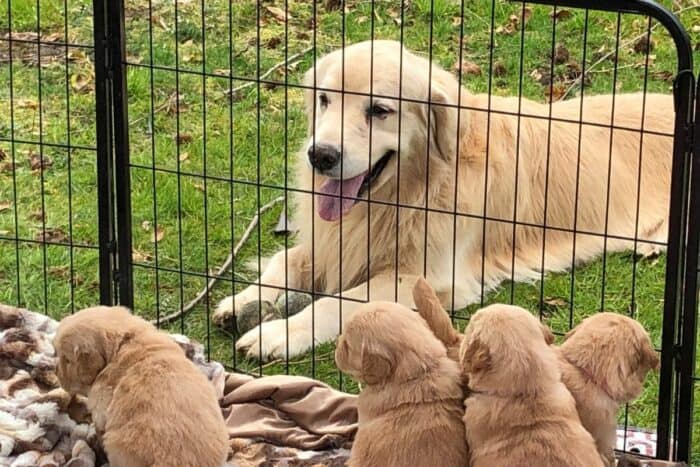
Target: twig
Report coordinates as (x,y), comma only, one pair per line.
(578,80)
(270,71)
(187,308)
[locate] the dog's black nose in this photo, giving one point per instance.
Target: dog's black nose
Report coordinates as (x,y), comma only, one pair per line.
(323,157)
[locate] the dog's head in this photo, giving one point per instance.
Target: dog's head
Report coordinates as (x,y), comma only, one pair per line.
(504,344)
(615,350)
(387,342)
(359,128)
(86,342)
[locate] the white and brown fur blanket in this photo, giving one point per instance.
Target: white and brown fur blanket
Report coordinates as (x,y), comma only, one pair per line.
(273,421)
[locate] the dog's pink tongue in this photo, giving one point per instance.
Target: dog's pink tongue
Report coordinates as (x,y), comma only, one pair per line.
(331,208)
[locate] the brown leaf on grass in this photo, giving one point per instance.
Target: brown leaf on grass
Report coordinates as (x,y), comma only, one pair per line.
(184,156)
(4,232)
(273,42)
(555,92)
(5,205)
(278,13)
(527,14)
(332,5)
(82,81)
(60,272)
(468,68)
(37,216)
(7,167)
(561,54)
(555,301)
(139,256)
(3,155)
(560,14)
(51,234)
(662,75)
(27,104)
(184,138)
(644,44)
(543,77)
(158,234)
(37,162)
(146,225)
(456,21)
(499,69)
(174,104)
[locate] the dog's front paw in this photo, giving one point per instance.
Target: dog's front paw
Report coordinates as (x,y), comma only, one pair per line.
(269,341)
(224,315)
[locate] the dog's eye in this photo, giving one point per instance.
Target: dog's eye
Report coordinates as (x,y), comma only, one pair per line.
(380,111)
(323,101)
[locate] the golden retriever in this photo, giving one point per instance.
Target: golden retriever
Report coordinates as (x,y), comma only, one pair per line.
(365,233)
(151,406)
(604,361)
(410,410)
(519,413)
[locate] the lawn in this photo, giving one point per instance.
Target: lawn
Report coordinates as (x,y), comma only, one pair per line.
(209,145)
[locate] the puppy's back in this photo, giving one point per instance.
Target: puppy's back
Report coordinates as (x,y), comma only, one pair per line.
(163,409)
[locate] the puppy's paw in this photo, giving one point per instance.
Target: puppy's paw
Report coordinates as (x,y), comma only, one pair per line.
(649,251)
(269,341)
(223,316)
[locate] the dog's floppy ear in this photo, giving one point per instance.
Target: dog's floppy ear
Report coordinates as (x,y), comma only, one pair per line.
(377,364)
(444,136)
(648,357)
(474,356)
(547,333)
(430,309)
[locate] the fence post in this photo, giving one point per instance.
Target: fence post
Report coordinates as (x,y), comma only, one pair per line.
(105,164)
(113,181)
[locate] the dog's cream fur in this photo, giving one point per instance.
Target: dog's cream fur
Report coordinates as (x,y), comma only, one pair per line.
(604,361)
(410,410)
(518,412)
(151,406)
(476,163)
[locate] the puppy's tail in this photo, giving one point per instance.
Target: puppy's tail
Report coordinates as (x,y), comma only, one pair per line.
(431,311)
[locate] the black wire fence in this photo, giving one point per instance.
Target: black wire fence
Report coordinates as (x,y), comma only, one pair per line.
(153,153)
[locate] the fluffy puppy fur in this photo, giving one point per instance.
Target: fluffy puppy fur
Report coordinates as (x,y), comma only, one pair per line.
(519,413)
(411,407)
(604,361)
(151,406)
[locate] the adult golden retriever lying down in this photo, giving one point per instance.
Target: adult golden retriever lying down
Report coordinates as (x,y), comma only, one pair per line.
(480,164)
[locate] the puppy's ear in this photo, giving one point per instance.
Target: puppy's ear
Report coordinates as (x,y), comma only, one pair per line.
(443,122)
(431,311)
(474,356)
(547,333)
(649,358)
(377,364)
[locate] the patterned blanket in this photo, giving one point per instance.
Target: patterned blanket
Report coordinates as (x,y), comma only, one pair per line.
(274,421)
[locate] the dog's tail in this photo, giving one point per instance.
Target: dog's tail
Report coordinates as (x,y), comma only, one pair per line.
(434,314)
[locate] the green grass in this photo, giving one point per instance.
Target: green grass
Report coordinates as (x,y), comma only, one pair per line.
(226,137)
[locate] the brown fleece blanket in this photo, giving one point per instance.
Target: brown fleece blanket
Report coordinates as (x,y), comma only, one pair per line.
(273,421)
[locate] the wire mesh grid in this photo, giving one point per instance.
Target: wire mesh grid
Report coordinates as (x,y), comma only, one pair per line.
(219,130)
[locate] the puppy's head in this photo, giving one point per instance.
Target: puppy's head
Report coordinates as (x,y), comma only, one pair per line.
(86,342)
(356,113)
(386,342)
(615,350)
(505,344)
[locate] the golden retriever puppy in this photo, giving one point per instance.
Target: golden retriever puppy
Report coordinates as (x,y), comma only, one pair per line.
(519,413)
(604,361)
(150,404)
(410,409)
(361,210)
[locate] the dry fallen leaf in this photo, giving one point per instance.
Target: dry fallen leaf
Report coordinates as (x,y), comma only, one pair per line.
(561,54)
(278,13)
(184,156)
(37,215)
(555,301)
(183,138)
(560,15)
(5,205)
(39,162)
(662,75)
(7,167)
(140,257)
(51,234)
(644,44)
(27,104)
(158,234)
(4,232)
(554,92)
(146,225)
(499,69)
(3,155)
(469,68)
